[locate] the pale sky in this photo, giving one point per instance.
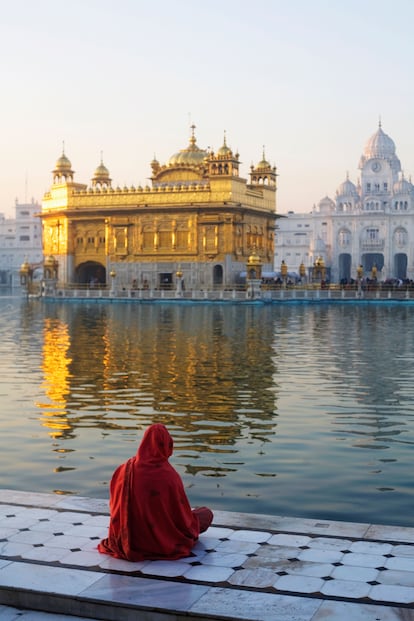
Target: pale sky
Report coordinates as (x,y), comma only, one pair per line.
(307,79)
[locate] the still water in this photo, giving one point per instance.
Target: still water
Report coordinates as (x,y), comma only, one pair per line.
(290,409)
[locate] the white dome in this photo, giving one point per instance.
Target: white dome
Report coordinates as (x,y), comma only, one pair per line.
(347,188)
(402,186)
(326,205)
(379,146)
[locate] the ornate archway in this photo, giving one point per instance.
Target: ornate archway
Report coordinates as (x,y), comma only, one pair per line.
(344,264)
(218,275)
(400,265)
(90,273)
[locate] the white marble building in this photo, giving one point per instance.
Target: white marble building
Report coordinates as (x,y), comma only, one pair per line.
(20,240)
(370,222)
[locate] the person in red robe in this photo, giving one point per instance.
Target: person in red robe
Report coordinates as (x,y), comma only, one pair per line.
(150,515)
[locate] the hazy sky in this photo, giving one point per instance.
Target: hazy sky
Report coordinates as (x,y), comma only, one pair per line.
(308,79)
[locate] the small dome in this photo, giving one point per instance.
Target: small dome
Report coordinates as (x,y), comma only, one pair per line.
(263,164)
(49,261)
(191,156)
(63,164)
(379,146)
(326,205)
(224,150)
(254,259)
(402,186)
(347,188)
(101,172)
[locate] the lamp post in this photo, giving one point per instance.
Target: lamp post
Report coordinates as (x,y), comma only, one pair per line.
(179,282)
(50,274)
(254,275)
(284,272)
(360,275)
(302,272)
(26,273)
(112,274)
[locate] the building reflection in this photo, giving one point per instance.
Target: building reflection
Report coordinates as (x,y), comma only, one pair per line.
(205,372)
(55,367)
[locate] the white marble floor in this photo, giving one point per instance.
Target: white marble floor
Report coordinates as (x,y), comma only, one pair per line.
(244,567)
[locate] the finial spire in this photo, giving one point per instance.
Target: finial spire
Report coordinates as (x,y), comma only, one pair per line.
(192,139)
(379,122)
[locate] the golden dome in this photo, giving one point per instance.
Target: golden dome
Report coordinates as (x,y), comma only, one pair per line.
(25,267)
(191,156)
(263,164)
(63,164)
(49,261)
(254,259)
(101,172)
(224,150)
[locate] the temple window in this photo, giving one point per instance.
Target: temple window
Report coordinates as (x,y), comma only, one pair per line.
(401,237)
(372,234)
(344,237)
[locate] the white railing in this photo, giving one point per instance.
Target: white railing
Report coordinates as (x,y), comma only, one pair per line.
(268,295)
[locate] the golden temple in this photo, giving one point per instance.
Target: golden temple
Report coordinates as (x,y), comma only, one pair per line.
(198,218)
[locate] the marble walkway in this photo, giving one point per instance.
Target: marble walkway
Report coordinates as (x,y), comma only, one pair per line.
(245,566)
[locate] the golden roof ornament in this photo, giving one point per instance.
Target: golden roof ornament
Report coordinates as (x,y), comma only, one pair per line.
(263,162)
(224,150)
(101,172)
(191,156)
(63,164)
(254,258)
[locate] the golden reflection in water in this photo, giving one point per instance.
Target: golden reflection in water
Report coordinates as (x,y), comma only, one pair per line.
(199,364)
(208,373)
(55,367)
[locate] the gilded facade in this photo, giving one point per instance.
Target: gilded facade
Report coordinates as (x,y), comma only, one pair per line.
(198,217)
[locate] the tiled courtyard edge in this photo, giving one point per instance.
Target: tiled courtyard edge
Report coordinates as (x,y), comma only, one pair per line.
(245,566)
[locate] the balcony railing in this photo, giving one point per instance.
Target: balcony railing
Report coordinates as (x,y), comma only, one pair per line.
(373,244)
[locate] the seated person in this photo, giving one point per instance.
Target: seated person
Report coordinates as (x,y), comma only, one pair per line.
(150,516)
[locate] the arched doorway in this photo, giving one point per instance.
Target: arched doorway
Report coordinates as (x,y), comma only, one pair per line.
(370,258)
(218,275)
(400,265)
(90,273)
(345,262)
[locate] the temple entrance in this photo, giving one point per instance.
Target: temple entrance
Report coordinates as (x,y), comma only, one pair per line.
(369,259)
(218,275)
(400,265)
(166,280)
(345,261)
(90,273)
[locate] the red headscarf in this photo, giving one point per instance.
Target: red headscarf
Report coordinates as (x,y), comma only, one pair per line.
(151,517)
